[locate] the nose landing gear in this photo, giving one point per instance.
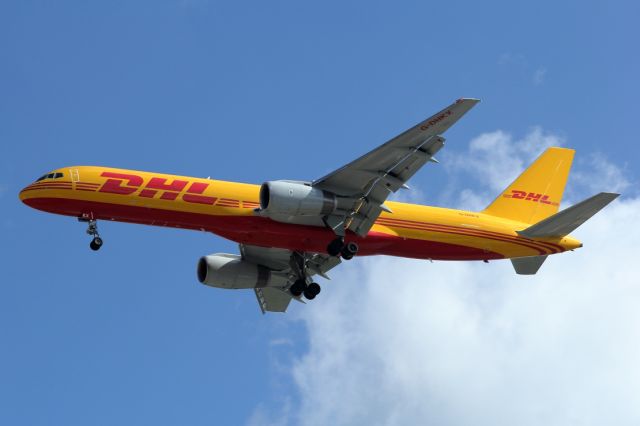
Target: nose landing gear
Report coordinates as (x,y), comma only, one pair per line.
(92,229)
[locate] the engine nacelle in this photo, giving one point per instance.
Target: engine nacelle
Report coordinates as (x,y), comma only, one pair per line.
(230,271)
(285,198)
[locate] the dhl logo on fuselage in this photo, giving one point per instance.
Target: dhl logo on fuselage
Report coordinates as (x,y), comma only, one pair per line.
(127,184)
(530,196)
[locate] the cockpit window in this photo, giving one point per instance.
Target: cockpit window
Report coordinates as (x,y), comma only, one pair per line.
(50,176)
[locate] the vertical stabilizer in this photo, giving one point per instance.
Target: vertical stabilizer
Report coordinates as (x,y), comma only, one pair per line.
(537,192)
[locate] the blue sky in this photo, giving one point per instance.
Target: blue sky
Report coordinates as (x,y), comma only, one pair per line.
(253,91)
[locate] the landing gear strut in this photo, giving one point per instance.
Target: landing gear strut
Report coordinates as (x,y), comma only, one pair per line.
(300,286)
(92,229)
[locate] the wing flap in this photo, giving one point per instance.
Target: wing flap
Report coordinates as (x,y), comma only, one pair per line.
(273,299)
(371,178)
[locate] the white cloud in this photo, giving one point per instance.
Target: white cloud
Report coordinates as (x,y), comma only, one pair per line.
(519,65)
(263,416)
(397,341)
(596,173)
(539,75)
(405,342)
(282,341)
(508,58)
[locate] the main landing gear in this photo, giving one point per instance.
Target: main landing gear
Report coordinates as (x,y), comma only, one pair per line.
(338,247)
(300,287)
(92,229)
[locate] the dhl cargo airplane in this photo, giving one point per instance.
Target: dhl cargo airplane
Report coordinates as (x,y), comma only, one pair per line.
(289,231)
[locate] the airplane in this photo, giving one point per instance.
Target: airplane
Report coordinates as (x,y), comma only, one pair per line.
(290,231)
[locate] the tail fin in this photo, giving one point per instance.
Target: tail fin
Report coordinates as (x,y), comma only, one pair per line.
(537,192)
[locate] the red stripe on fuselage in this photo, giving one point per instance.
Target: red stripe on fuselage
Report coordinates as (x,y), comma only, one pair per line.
(261,231)
(539,247)
(555,248)
(41,188)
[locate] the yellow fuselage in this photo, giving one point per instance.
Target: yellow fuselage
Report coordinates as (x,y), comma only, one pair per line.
(228,209)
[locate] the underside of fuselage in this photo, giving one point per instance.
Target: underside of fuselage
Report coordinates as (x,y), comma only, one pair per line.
(260,231)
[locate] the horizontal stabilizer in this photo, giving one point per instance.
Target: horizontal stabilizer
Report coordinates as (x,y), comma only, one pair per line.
(564,222)
(528,265)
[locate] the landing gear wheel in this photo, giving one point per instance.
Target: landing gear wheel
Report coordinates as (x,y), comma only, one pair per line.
(349,250)
(298,287)
(311,291)
(335,247)
(96,243)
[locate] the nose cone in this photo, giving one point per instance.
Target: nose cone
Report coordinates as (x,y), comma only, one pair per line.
(23,195)
(54,180)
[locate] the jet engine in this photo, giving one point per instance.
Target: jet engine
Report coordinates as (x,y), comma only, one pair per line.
(230,271)
(285,198)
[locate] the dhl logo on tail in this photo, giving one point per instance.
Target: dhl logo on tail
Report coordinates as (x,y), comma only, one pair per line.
(530,196)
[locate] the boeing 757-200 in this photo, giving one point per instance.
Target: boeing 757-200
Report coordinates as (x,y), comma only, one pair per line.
(288,231)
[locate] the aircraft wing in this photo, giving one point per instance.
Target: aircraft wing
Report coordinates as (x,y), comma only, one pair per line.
(275,299)
(371,178)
